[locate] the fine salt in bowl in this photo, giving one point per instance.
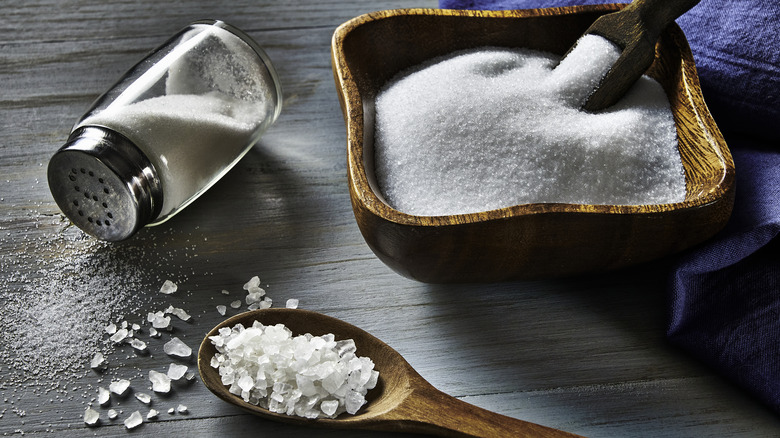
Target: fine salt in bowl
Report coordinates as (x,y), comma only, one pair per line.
(529,240)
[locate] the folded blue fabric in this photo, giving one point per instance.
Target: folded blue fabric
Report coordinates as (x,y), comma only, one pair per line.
(724,305)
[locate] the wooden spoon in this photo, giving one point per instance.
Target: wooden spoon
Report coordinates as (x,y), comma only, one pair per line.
(402,401)
(635,29)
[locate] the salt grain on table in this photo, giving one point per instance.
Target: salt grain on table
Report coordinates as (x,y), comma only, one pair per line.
(98,360)
(119,387)
(152,414)
(138,344)
(134,420)
(91,416)
(168,287)
(161,383)
(104,396)
(144,398)
(176,371)
(175,347)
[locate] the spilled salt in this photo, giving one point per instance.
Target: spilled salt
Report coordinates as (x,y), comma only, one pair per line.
(494,127)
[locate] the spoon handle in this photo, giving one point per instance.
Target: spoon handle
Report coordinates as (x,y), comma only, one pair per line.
(635,29)
(428,410)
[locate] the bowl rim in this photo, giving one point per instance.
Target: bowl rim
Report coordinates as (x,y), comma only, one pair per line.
(353,107)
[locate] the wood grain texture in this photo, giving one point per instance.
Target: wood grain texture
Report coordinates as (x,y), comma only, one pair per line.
(530,240)
(585,354)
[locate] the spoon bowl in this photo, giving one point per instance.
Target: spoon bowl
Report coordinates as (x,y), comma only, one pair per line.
(402,401)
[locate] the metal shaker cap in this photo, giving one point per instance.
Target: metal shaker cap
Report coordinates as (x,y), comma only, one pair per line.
(104,184)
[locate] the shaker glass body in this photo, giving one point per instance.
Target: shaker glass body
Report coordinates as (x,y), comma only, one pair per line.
(193,108)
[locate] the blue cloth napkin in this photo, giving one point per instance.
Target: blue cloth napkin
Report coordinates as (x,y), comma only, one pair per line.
(724,305)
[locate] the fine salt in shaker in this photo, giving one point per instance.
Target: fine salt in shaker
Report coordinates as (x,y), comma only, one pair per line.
(166,131)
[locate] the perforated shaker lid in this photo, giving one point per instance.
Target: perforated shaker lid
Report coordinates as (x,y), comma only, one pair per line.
(104,184)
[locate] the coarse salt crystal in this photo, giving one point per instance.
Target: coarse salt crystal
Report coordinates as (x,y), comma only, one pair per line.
(91,416)
(98,360)
(119,336)
(181,409)
(152,414)
(221,309)
(144,398)
(267,366)
(292,303)
(134,420)
(111,329)
(160,382)
(138,344)
(112,414)
(104,396)
(168,287)
(119,386)
(180,313)
(176,371)
(176,347)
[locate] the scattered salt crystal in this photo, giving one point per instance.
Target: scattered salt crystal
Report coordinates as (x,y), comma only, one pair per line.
(119,386)
(181,409)
(235,304)
(91,416)
(152,414)
(154,333)
(112,414)
(253,283)
(134,420)
(158,320)
(144,398)
(138,344)
(104,396)
(176,371)
(98,360)
(180,313)
(225,292)
(221,309)
(119,336)
(111,329)
(292,303)
(189,376)
(136,327)
(523,134)
(175,347)
(171,411)
(168,287)
(160,382)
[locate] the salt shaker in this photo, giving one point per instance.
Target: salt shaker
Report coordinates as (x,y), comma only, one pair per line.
(166,131)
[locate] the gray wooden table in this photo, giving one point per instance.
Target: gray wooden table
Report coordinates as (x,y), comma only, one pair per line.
(585,354)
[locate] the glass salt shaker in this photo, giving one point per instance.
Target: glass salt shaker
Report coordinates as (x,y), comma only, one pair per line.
(171,127)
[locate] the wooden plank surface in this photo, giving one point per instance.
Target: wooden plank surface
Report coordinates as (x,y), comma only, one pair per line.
(585,354)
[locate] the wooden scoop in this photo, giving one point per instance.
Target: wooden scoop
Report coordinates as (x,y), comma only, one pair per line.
(635,29)
(402,401)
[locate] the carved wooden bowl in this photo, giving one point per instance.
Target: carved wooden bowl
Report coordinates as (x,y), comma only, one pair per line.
(529,240)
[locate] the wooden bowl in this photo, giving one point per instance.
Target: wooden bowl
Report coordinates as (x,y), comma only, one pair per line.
(529,240)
